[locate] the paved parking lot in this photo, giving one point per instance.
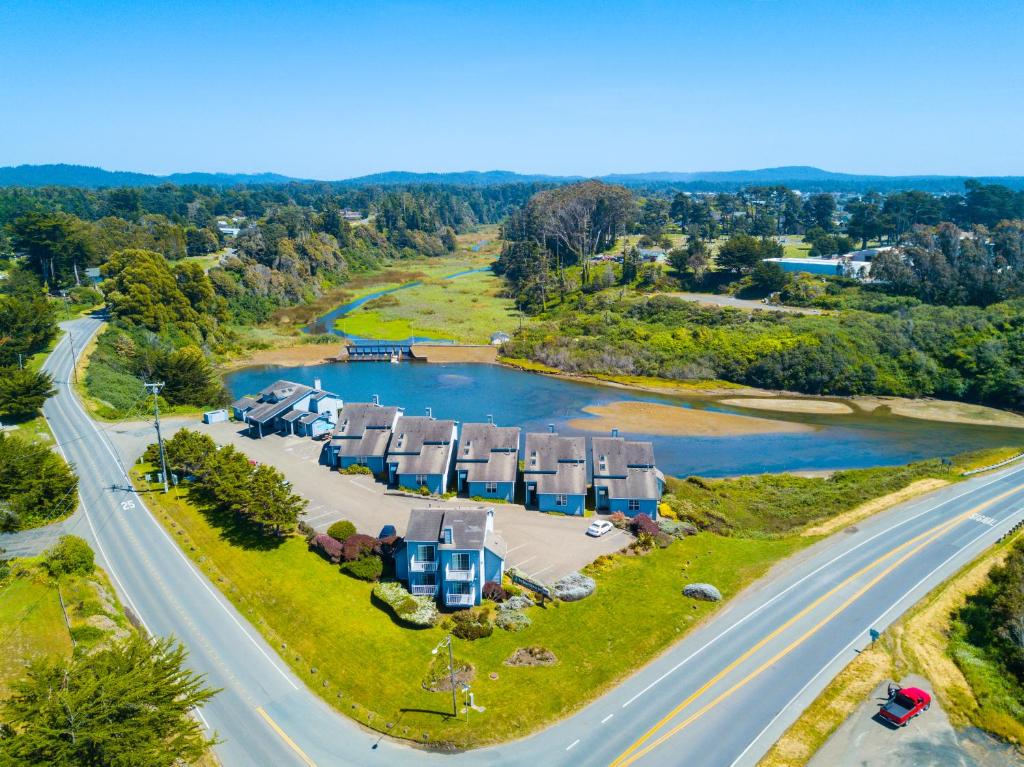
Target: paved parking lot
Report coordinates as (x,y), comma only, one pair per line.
(544,546)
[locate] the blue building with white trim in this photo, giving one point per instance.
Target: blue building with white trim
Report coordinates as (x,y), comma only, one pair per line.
(487,461)
(450,554)
(555,473)
(420,453)
(362,436)
(286,407)
(625,477)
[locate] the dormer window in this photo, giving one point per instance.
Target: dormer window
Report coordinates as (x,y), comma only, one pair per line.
(446,536)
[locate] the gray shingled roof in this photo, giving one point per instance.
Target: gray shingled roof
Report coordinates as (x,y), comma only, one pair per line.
(557,464)
(266,411)
(469,527)
(363,429)
(626,468)
(420,445)
(488,453)
(244,403)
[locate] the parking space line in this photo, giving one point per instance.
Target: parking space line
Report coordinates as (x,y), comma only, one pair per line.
(537,573)
(520,564)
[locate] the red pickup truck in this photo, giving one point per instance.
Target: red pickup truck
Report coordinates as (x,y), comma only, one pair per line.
(904,705)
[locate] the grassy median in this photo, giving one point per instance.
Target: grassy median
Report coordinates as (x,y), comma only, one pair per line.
(352,654)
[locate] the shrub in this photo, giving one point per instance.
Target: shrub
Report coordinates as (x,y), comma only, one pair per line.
(326,546)
(664,540)
(666,510)
(644,542)
(516,602)
(341,530)
(358,546)
(619,519)
(676,529)
(644,524)
(512,621)
(494,591)
(369,568)
(306,530)
(355,468)
(574,587)
(471,625)
(424,490)
(70,555)
(417,612)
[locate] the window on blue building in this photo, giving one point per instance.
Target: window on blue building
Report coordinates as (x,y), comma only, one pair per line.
(633,504)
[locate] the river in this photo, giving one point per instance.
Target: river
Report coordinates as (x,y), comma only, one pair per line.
(468,392)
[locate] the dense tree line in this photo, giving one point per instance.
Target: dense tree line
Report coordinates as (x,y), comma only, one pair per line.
(36,486)
(226,481)
(962,353)
(992,622)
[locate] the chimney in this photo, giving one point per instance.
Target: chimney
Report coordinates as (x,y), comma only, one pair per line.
(376,399)
(430,412)
(615,432)
(490,419)
(551,428)
(316,384)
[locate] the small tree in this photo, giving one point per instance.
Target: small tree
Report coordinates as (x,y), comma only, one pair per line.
(71,554)
(273,505)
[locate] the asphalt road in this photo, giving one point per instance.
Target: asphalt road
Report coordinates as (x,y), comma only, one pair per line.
(720,697)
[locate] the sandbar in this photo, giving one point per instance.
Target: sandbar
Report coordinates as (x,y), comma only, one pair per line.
(796,405)
(669,420)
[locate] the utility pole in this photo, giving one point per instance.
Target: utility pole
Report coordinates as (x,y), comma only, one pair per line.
(154,389)
(71,339)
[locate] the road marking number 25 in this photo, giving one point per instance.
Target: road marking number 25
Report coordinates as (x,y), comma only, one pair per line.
(983,519)
(126,505)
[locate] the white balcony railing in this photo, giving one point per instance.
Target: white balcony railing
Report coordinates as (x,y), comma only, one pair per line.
(423,566)
(424,590)
(459,600)
(460,575)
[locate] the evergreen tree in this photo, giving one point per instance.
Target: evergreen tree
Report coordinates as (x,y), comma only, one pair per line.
(129,704)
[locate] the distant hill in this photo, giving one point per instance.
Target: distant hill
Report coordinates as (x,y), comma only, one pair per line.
(802,177)
(87,176)
(462,178)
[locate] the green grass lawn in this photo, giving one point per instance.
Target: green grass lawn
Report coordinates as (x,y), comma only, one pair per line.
(372,670)
(31,623)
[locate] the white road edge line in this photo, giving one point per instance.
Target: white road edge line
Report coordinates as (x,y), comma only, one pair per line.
(792,586)
(174,545)
(846,649)
(572,745)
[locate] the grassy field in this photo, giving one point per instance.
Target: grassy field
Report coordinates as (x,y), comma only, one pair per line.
(781,504)
(31,622)
(466,309)
(372,670)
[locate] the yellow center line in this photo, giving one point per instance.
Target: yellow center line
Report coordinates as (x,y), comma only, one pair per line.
(623,759)
(284,736)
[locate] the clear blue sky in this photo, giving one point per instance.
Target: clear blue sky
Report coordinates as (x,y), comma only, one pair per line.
(337,89)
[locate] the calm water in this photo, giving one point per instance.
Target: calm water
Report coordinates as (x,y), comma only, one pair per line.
(515,398)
